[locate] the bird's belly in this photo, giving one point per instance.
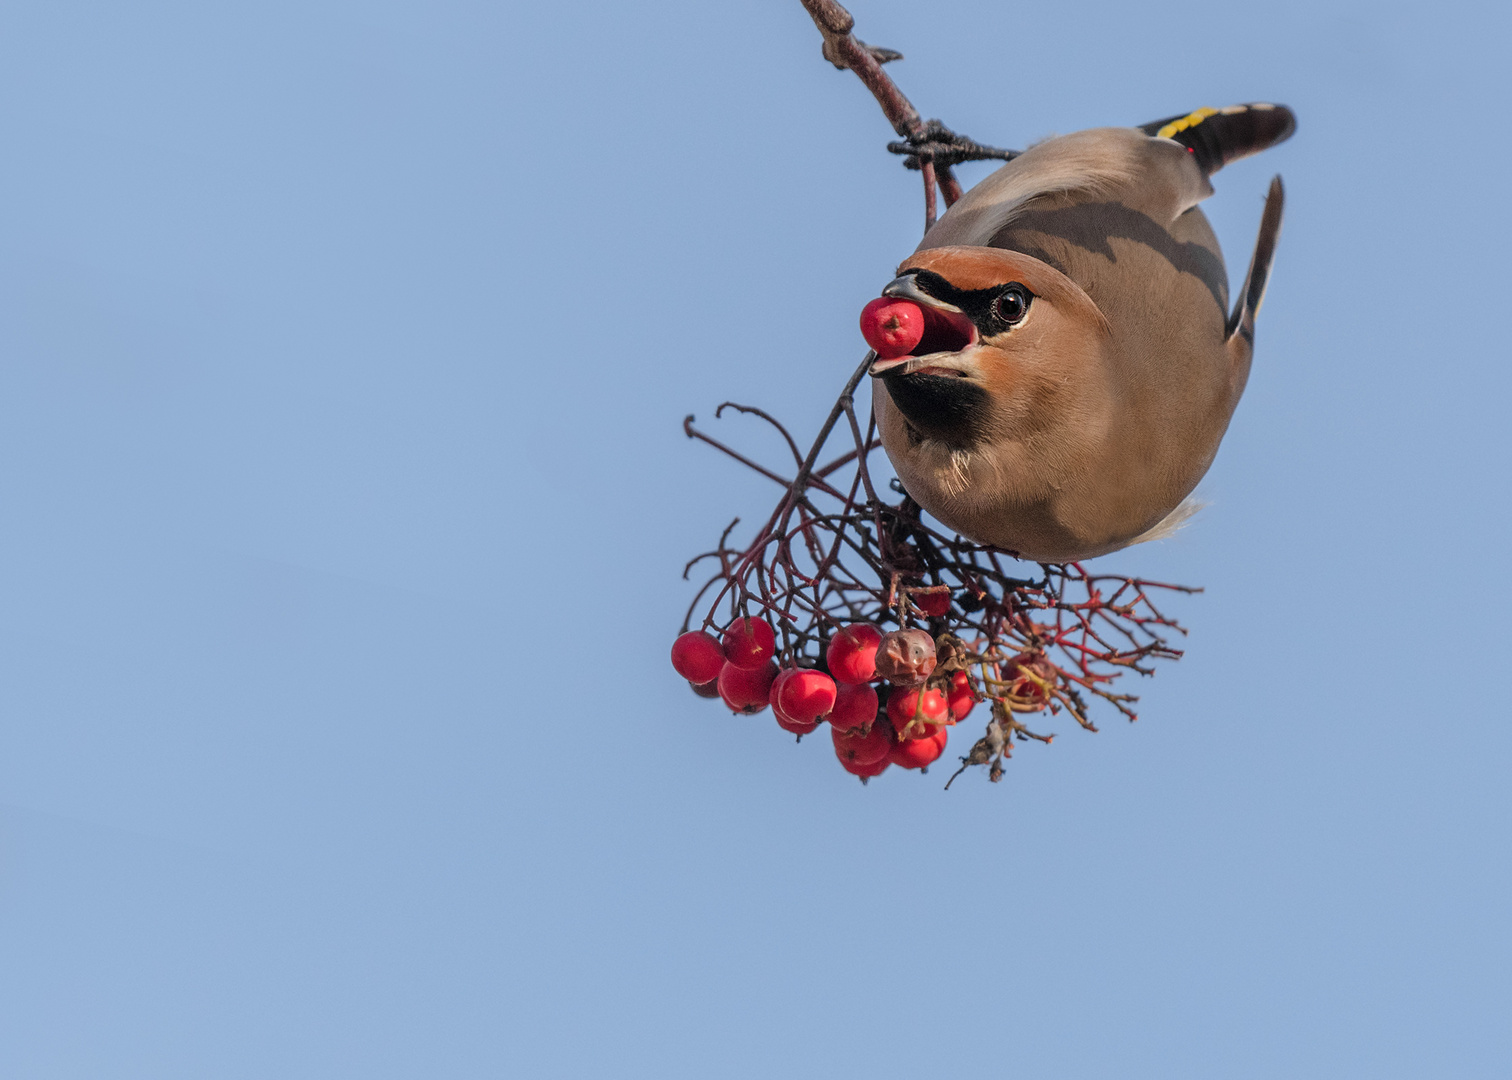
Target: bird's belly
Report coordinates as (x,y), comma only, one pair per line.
(988,502)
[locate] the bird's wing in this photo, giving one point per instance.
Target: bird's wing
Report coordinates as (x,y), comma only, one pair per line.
(1101,164)
(1147,168)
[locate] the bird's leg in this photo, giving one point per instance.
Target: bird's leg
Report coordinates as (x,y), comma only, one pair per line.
(930,212)
(932,149)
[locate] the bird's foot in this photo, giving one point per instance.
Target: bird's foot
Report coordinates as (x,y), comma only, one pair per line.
(937,145)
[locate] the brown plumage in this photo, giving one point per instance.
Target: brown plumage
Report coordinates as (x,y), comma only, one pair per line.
(1079,364)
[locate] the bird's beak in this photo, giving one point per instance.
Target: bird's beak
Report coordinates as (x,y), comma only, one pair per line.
(905,287)
(947,329)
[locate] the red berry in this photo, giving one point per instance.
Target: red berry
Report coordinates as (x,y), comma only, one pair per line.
(1030,677)
(865,772)
(852,653)
(782,677)
(961,699)
(708,689)
(892,327)
(792,726)
(749,643)
(864,747)
(784,720)
(697,657)
(906,657)
(804,696)
(744,690)
(780,714)
(917,712)
(932,604)
(917,753)
(855,706)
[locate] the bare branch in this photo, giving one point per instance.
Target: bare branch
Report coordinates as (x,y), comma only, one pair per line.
(927,145)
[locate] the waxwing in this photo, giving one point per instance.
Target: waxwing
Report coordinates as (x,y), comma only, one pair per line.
(1078,363)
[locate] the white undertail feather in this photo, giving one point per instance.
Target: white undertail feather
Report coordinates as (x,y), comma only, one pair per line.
(1172,523)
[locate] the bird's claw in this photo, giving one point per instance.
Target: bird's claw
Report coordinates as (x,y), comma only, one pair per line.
(937,144)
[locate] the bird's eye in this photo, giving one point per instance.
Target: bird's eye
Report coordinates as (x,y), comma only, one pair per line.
(1012,304)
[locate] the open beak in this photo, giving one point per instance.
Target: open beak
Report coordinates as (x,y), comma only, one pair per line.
(946,329)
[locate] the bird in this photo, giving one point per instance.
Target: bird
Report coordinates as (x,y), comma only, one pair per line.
(1077,363)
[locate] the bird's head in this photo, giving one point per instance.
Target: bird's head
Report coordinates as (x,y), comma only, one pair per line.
(1008,342)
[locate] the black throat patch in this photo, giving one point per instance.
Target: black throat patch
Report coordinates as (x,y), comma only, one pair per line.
(942,407)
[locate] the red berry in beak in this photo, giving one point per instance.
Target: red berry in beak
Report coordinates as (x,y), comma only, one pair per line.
(892,327)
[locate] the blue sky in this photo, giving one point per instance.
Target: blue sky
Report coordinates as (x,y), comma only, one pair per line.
(343,502)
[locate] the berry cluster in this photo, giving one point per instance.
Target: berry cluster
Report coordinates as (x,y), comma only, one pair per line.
(851,609)
(901,721)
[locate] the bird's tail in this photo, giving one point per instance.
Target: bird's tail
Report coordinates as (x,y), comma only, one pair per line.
(1216,137)
(1242,321)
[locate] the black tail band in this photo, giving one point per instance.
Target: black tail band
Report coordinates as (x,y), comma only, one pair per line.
(1216,137)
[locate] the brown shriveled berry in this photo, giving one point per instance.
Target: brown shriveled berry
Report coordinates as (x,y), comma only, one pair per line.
(951,653)
(906,657)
